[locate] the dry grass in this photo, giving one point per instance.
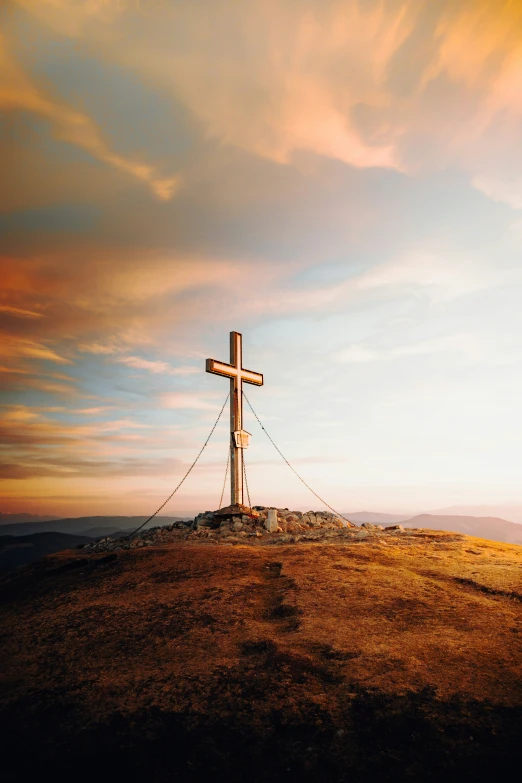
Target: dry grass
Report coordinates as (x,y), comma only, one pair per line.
(398,656)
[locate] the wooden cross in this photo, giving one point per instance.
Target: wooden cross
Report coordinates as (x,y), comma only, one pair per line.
(238,437)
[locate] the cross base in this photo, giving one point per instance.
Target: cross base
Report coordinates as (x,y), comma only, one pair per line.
(236,510)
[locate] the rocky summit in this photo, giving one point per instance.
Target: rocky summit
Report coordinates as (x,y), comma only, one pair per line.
(221,651)
(257,525)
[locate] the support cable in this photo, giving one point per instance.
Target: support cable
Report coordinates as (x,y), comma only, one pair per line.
(290,466)
(184,477)
(225,481)
(246,482)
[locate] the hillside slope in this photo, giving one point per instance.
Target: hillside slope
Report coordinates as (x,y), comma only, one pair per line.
(395,658)
(16,551)
(492,528)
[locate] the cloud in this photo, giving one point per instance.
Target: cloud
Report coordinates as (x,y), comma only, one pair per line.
(356,354)
(35,468)
(93,411)
(98,449)
(188,400)
(13,347)
(145,364)
(460,343)
(50,387)
(19,312)
(443,275)
(97,348)
(156,366)
(278,99)
(19,93)
(504,189)
(370,84)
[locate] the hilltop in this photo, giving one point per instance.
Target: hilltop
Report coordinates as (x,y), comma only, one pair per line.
(393,656)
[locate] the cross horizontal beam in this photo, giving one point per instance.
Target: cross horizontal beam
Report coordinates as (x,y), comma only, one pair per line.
(229,371)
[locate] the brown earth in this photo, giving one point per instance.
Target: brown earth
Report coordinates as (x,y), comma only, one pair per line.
(396,658)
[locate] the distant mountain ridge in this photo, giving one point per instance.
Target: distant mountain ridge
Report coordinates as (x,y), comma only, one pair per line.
(491,528)
(17,551)
(376,517)
(84,525)
(7,519)
(488,527)
(511,512)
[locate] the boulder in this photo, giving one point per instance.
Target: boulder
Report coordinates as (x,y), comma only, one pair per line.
(206,520)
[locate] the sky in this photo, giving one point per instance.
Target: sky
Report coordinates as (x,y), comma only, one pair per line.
(338,180)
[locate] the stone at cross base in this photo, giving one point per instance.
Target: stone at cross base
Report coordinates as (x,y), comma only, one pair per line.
(271,523)
(238,517)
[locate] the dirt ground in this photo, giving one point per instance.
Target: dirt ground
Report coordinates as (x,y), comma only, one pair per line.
(389,659)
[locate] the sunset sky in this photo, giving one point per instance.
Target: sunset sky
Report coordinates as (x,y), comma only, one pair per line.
(339,180)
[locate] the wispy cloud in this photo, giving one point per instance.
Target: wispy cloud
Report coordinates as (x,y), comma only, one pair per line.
(360,353)
(187,400)
(12,346)
(280,99)
(19,312)
(19,93)
(156,366)
(332,78)
(97,348)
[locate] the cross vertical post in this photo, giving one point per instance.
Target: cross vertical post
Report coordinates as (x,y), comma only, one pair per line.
(236,420)
(238,437)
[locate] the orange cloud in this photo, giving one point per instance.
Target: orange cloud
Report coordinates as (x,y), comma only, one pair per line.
(155,366)
(19,93)
(293,91)
(18,311)
(13,347)
(111,450)
(472,36)
(346,80)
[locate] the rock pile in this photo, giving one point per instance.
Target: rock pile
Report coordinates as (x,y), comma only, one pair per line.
(272,520)
(241,524)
